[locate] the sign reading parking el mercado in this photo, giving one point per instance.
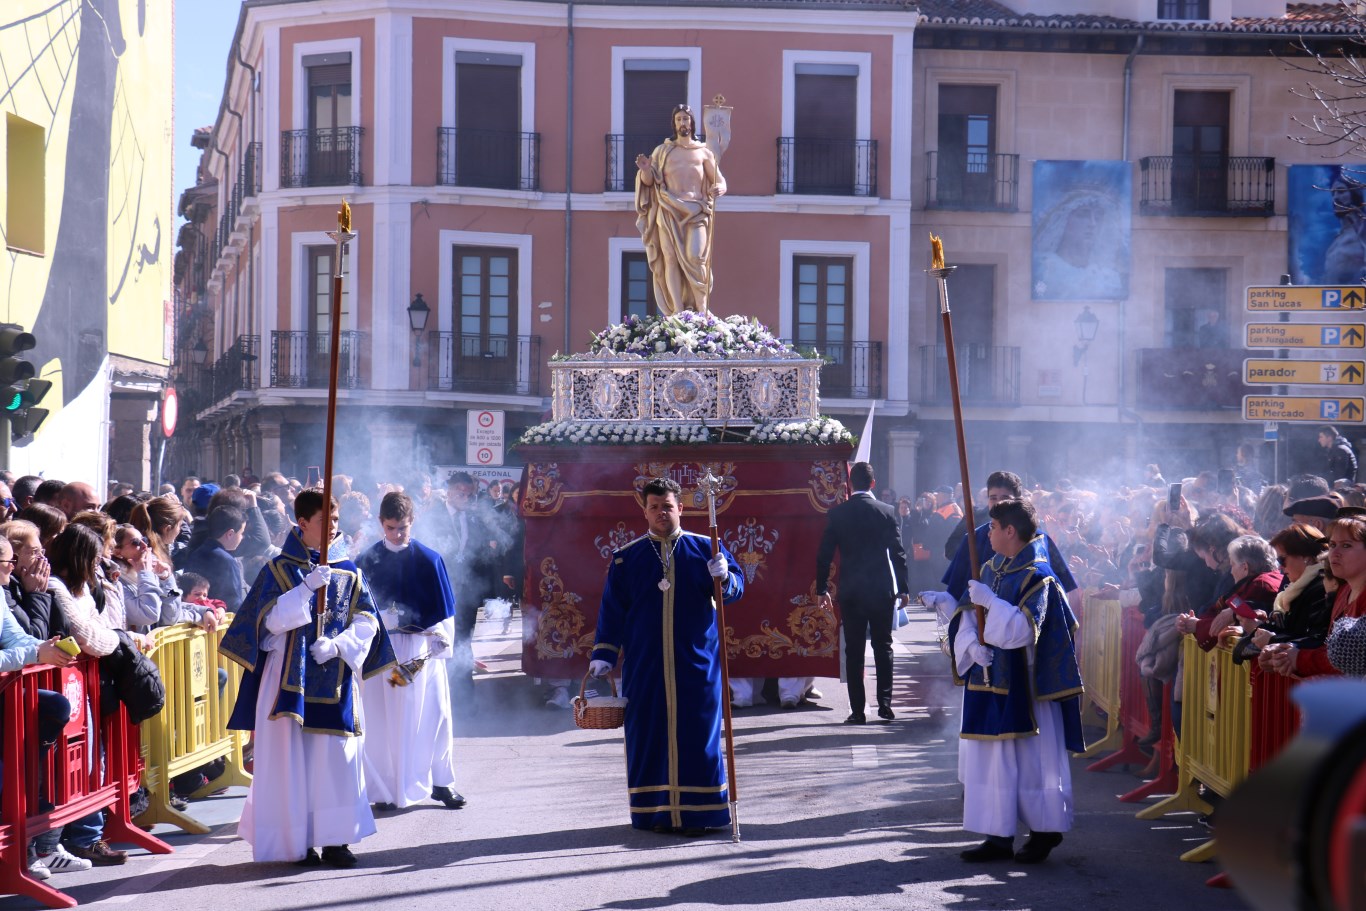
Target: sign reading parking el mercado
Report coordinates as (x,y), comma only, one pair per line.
(1318,299)
(484,438)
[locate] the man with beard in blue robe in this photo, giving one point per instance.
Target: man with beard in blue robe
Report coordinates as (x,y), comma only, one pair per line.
(658,616)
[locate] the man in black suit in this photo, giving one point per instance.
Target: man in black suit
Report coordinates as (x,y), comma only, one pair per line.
(872,583)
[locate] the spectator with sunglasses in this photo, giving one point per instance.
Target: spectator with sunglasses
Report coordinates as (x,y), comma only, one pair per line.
(142,593)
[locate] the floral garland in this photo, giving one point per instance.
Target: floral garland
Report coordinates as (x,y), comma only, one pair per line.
(818,431)
(688,332)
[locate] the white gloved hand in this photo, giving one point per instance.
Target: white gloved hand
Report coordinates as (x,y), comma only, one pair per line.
(599,668)
(980,593)
(390,617)
(980,654)
(718,567)
(324,650)
(318,578)
(439,645)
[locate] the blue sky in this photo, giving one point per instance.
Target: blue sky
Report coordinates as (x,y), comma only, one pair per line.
(203,34)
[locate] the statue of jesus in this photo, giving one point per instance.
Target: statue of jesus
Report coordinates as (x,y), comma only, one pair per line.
(676,190)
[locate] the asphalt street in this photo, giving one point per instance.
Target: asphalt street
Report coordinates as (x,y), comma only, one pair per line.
(832,817)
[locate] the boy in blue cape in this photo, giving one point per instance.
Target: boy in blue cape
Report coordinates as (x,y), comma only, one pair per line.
(300,695)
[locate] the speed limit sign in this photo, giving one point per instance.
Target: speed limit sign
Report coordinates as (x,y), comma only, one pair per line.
(484,438)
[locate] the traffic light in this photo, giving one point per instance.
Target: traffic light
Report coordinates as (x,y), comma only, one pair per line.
(20,392)
(25,418)
(14,341)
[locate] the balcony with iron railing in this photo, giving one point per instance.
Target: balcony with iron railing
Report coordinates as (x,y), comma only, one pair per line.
(852,370)
(249,173)
(987,374)
(975,182)
(1207,185)
(301,360)
(622,149)
(234,371)
(470,362)
(1191,379)
(321,158)
(497,159)
(827,167)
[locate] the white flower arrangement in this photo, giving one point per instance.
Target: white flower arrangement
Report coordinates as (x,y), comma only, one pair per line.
(817,431)
(600,432)
(688,332)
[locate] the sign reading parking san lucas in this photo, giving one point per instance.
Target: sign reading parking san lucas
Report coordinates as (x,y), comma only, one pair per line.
(1298,371)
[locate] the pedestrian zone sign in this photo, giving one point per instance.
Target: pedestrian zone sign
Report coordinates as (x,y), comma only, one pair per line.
(1304,409)
(1303,298)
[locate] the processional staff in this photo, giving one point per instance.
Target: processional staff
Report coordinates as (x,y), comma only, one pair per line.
(711,484)
(341,237)
(941,273)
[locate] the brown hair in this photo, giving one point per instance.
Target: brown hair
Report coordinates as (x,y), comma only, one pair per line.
(150,516)
(97,522)
(49,520)
(74,554)
(1300,541)
(396,507)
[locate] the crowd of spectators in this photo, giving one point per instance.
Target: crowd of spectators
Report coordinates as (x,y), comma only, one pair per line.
(108,575)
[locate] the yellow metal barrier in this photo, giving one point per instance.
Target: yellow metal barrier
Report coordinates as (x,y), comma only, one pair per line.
(191,730)
(1102,634)
(1216,734)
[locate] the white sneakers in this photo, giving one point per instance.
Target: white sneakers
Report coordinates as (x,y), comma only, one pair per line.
(61,861)
(38,870)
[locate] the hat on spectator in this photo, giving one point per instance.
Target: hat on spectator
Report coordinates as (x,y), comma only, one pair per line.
(1323,507)
(1350,512)
(204,493)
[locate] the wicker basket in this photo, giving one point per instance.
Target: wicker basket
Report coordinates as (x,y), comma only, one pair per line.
(599,713)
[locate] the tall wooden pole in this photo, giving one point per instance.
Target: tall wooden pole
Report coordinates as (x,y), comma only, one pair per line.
(341,237)
(941,273)
(712,484)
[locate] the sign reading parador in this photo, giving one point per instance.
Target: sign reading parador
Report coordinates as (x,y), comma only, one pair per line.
(1304,373)
(1304,409)
(1306,335)
(1301,298)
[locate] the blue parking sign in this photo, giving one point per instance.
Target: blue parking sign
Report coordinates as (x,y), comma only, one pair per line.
(1332,298)
(1328,409)
(1332,336)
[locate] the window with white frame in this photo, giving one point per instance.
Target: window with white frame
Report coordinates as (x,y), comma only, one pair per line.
(826,146)
(487,136)
(647,83)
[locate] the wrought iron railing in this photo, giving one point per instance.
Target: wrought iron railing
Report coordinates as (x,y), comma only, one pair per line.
(1207,185)
(977,182)
(852,370)
(828,167)
(461,362)
(249,173)
(1191,379)
(499,159)
(321,158)
(987,374)
(235,369)
(622,149)
(301,360)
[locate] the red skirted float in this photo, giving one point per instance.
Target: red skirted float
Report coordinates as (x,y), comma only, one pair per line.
(583,502)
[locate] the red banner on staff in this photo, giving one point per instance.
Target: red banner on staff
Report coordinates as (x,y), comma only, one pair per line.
(582,503)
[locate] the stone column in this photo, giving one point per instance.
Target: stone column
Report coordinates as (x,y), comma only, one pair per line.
(269,430)
(902,452)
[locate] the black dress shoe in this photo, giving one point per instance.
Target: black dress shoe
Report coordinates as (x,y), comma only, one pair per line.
(693,832)
(856,718)
(385,807)
(1036,849)
(310,860)
(994,848)
(452,799)
(338,856)
(885,712)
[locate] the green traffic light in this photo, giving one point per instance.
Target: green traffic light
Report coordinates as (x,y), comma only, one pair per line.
(15,400)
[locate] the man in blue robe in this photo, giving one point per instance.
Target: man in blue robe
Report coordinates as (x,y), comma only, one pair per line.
(1001,485)
(658,616)
(1021,697)
(299,695)
(408,751)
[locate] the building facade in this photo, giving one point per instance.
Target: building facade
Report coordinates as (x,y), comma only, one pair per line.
(85,212)
(487,153)
(1107,177)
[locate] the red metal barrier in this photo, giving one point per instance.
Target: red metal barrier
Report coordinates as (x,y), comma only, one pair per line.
(1133,702)
(1275,717)
(75,782)
(1166,781)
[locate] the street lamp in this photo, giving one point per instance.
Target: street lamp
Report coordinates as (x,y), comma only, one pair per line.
(418,311)
(199,354)
(1087,323)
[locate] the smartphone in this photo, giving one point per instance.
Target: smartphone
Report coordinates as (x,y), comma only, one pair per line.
(70,646)
(1225,481)
(1174,497)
